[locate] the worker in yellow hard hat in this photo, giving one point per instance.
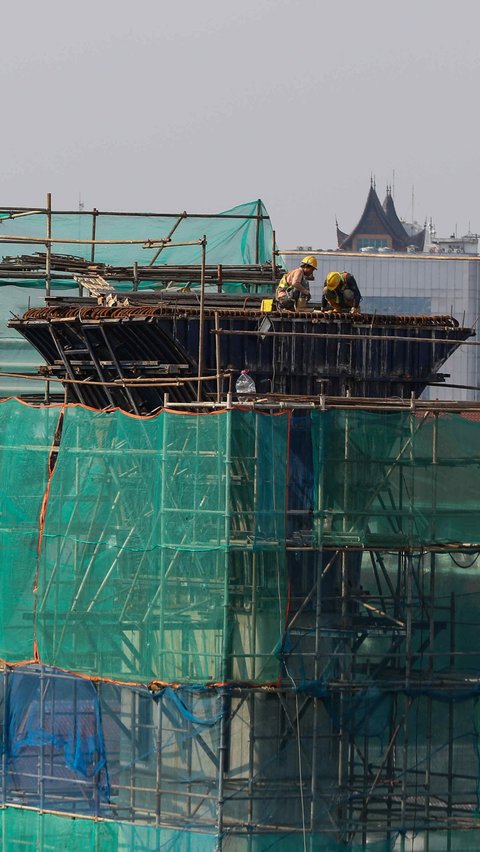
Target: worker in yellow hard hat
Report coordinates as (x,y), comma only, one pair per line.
(341,293)
(294,286)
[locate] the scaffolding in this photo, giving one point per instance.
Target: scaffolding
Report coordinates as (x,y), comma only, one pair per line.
(231,623)
(241,629)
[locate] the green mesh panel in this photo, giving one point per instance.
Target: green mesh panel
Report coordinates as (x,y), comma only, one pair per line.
(169,533)
(37,832)
(26,436)
(28,830)
(396,479)
(231,241)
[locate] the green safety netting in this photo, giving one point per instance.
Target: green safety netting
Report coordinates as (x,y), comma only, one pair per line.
(40,832)
(396,479)
(234,237)
(163,555)
(169,532)
(22,830)
(25,441)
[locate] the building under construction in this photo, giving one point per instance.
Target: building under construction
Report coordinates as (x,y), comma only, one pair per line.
(230,621)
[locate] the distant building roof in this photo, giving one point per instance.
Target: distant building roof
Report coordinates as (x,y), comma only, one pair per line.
(380,224)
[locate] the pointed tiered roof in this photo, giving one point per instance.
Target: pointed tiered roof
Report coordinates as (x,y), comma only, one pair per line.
(379,224)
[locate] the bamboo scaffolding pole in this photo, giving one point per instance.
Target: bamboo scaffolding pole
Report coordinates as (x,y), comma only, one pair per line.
(94,234)
(27,211)
(144,382)
(257,232)
(146,243)
(48,241)
(202,315)
(168,237)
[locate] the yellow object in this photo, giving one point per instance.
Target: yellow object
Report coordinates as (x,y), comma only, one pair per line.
(332,280)
(311,260)
(266,306)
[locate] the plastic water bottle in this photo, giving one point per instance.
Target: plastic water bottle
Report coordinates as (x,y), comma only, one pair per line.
(245,384)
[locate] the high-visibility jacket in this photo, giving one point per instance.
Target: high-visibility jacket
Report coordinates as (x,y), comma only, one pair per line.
(288,284)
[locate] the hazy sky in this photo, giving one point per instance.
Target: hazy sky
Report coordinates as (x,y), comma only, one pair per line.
(158,106)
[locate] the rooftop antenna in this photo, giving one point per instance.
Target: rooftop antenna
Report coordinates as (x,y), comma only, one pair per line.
(393,184)
(81,205)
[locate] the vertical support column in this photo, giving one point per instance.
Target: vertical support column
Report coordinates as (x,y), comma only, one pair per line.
(161,511)
(48,254)
(41,751)
(433,531)
(274,257)
(94,234)
(411,495)
(316,707)
(6,678)
(226,649)
(258,462)
(408,663)
(429,725)
(342,733)
(345,677)
(451,722)
(158,775)
(201,317)
(217,357)
(48,271)
(257,232)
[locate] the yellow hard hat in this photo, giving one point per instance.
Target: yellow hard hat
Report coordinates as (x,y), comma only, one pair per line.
(310,260)
(332,280)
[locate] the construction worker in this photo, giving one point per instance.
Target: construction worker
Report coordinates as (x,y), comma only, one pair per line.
(341,293)
(294,286)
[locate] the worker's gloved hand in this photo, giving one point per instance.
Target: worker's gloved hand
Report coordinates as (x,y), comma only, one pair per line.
(307,296)
(354,310)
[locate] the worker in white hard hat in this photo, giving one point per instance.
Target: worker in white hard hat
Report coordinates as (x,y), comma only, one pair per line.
(294,286)
(341,293)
